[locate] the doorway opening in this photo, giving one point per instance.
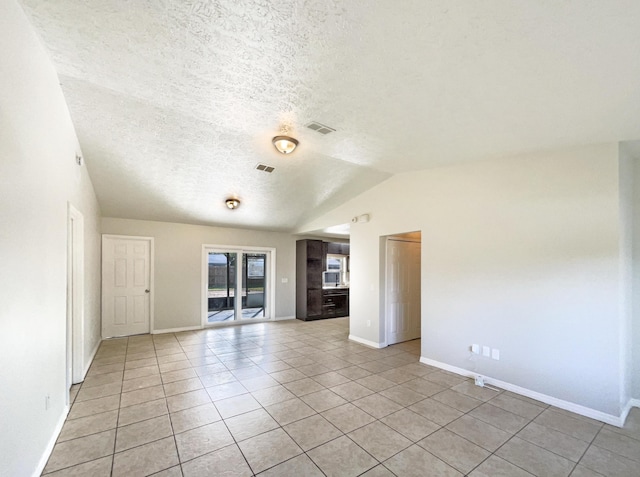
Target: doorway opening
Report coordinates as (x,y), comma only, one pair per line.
(75,297)
(402,307)
(237,284)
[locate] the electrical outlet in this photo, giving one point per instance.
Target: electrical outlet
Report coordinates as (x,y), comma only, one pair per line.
(368,322)
(486,351)
(475,348)
(480,381)
(495,354)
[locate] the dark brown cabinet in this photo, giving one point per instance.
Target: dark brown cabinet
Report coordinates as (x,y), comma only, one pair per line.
(338,248)
(312,301)
(309,266)
(315,249)
(335,302)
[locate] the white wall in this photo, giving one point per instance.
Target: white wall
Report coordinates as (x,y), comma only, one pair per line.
(626,195)
(635,324)
(38,177)
(520,254)
(178,265)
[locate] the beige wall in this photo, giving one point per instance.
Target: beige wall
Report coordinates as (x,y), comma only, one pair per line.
(38,178)
(178,265)
(520,254)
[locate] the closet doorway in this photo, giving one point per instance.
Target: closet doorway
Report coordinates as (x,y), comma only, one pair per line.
(402,287)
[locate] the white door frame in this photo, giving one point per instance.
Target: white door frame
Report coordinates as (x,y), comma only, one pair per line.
(151,275)
(385,293)
(270,309)
(75,296)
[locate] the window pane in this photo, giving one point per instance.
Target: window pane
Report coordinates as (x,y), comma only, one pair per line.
(254,267)
(221,290)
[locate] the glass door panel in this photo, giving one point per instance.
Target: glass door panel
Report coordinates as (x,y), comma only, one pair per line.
(254,268)
(222,287)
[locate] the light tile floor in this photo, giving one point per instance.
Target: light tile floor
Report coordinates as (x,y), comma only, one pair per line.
(297,398)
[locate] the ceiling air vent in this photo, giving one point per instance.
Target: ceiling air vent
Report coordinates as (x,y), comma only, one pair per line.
(321,128)
(265,168)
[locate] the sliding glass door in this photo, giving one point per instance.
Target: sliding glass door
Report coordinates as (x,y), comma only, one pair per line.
(237,285)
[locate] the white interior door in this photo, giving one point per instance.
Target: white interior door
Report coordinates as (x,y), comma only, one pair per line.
(403,291)
(126,285)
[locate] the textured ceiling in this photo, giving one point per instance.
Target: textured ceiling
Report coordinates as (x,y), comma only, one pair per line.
(176,101)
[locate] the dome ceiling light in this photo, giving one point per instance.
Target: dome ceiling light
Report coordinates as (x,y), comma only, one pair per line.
(232,203)
(285,144)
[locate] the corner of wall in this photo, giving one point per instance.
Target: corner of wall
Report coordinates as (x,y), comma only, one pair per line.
(52,442)
(631,150)
(626,238)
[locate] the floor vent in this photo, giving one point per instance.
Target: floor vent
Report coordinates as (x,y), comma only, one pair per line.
(265,168)
(321,128)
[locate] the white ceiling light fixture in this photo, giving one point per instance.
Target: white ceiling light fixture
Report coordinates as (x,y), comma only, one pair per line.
(232,203)
(285,144)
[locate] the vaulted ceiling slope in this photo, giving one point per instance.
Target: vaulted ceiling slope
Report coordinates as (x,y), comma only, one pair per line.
(176,101)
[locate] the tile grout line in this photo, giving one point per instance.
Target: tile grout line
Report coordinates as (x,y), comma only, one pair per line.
(235,442)
(173,434)
(197,354)
(115,439)
(462,437)
(591,443)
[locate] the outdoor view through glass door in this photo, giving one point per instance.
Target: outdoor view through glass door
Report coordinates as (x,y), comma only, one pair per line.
(227,281)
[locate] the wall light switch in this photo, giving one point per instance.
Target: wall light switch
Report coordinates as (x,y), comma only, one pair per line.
(486,351)
(475,348)
(285,280)
(495,354)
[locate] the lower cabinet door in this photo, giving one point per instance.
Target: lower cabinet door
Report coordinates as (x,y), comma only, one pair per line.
(314,303)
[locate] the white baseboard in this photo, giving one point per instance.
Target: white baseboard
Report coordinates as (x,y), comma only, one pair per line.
(88,363)
(176,330)
(372,344)
(52,442)
(282,318)
(617,421)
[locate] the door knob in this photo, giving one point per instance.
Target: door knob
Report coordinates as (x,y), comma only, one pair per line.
(147,291)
